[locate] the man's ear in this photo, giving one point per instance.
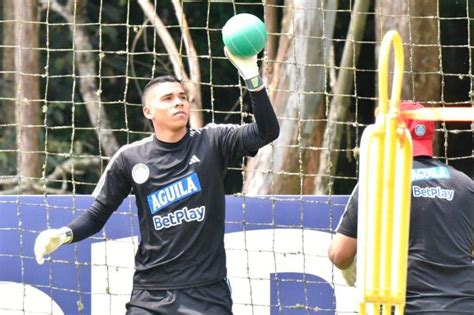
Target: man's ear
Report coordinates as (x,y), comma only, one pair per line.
(147,113)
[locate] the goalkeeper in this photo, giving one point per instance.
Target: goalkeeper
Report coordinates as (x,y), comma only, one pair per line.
(440,276)
(177,176)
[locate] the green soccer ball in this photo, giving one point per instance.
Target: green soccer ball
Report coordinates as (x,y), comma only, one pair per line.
(244,35)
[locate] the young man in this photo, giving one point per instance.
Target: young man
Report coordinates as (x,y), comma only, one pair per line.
(177,176)
(440,276)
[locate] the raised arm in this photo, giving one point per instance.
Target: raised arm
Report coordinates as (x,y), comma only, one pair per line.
(265,129)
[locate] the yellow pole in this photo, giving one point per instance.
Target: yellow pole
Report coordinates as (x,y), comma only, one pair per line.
(385,189)
(384,152)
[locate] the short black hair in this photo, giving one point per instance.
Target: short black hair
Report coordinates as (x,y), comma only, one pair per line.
(158,80)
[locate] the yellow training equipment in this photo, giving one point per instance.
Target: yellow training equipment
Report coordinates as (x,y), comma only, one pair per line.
(384,196)
(440,113)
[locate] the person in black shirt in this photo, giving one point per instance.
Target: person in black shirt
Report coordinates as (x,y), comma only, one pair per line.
(440,276)
(177,176)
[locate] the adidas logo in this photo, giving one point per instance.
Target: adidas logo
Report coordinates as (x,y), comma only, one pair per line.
(194,159)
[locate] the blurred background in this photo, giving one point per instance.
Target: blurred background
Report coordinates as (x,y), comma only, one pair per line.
(72,73)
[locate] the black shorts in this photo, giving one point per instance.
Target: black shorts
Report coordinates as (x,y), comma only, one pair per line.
(212,299)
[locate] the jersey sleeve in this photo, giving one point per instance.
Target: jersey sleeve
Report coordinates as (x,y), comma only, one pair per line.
(470,192)
(348,224)
(236,141)
(229,140)
(113,187)
(265,129)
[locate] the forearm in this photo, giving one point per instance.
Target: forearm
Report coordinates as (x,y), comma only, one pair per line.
(344,264)
(80,228)
(349,273)
(90,222)
(266,126)
(342,250)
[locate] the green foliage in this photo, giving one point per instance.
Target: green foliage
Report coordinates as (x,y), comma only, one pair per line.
(127,55)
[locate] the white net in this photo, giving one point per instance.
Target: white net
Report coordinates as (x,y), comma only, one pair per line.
(71,80)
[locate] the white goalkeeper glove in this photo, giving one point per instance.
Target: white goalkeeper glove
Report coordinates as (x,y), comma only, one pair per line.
(48,241)
(248,70)
(350,273)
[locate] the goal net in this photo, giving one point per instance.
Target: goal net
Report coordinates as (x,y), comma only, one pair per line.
(72,75)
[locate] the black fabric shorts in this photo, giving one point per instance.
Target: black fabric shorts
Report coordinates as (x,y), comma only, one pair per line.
(212,299)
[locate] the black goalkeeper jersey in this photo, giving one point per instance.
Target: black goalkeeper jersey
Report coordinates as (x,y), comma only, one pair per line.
(179,189)
(440,276)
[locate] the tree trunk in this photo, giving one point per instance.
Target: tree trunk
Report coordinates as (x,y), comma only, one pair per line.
(90,92)
(417,23)
(190,84)
(341,102)
(271,22)
(7,110)
(297,93)
(74,13)
(27,89)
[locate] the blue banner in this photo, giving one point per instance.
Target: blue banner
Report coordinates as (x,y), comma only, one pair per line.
(276,256)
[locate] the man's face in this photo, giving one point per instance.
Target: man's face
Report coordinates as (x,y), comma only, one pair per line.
(167,106)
